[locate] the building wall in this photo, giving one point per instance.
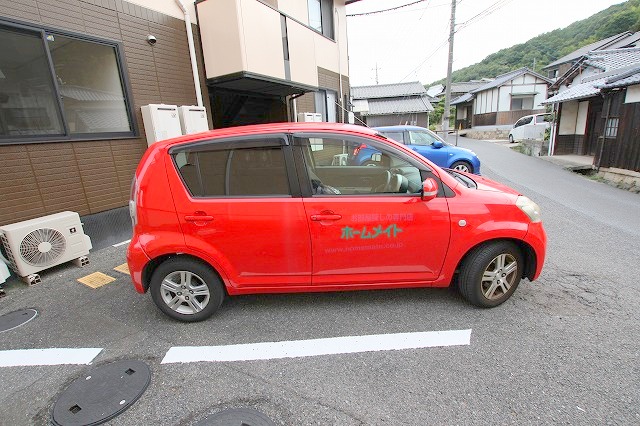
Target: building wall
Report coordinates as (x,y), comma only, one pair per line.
(327,79)
(421,119)
(92,176)
(499,99)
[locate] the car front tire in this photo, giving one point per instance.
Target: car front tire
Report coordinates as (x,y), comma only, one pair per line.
(491,273)
(511,139)
(462,166)
(186,289)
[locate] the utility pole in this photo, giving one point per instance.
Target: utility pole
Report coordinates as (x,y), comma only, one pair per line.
(447,93)
(376,70)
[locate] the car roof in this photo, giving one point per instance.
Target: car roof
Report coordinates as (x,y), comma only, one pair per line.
(285,127)
(398,127)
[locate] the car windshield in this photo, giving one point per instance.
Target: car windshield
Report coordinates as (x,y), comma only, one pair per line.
(463,179)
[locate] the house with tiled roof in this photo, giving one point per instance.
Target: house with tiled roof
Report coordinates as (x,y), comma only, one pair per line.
(503,100)
(598,110)
(392,104)
(561,65)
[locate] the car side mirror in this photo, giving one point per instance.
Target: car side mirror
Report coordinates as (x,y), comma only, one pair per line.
(437,144)
(429,189)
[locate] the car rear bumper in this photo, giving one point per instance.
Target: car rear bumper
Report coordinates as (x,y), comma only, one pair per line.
(137,259)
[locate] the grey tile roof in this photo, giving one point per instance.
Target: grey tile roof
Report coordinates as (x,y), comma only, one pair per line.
(388,90)
(399,105)
(462,99)
(623,79)
(501,79)
(607,60)
(577,91)
(466,86)
(598,45)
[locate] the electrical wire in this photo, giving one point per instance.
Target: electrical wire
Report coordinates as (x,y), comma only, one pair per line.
(386,10)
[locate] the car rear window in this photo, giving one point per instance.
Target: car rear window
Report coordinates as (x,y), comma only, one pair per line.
(234,172)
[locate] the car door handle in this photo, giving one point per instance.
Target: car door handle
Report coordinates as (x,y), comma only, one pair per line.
(198,218)
(321,217)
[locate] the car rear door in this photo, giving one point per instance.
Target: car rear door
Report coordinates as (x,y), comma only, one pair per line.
(238,201)
(365,234)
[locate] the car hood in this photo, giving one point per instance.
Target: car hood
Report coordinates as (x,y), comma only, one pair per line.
(485,184)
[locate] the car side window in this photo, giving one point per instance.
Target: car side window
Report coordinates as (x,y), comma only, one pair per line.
(237,172)
(396,136)
(421,138)
(339,167)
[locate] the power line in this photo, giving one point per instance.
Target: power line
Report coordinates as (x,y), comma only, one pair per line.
(386,10)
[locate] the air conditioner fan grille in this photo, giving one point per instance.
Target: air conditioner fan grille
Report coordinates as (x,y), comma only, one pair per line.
(42,247)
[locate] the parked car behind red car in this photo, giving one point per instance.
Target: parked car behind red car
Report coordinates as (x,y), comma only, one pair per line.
(274,208)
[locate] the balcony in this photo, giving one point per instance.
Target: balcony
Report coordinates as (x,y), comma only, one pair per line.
(251,47)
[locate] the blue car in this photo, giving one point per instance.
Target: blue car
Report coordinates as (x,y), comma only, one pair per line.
(425,143)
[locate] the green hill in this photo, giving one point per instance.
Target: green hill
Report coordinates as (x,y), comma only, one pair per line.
(550,46)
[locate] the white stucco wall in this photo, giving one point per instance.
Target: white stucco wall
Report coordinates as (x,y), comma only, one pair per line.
(581,119)
(262,39)
(633,94)
(568,118)
(302,51)
(222,38)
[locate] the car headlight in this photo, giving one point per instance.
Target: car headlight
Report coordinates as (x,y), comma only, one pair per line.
(529,208)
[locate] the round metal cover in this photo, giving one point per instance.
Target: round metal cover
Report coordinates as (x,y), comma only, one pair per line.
(101,395)
(16,319)
(237,417)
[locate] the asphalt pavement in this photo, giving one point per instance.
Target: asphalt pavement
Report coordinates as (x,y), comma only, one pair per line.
(563,349)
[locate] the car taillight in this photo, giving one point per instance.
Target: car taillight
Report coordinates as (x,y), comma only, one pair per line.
(357,150)
(133,200)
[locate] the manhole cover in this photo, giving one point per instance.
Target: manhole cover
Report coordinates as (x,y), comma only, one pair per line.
(16,319)
(101,395)
(237,417)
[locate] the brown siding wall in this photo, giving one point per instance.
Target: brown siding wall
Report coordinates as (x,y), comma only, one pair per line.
(326,80)
(94,176)
(510,117)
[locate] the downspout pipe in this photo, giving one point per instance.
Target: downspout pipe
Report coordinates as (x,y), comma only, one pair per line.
(192,52)
(337,13)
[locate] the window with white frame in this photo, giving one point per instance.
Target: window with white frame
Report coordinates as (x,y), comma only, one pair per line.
(55,85)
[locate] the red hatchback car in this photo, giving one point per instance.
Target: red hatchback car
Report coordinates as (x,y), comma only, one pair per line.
(279,208)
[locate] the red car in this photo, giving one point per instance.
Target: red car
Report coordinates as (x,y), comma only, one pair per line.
(278,208)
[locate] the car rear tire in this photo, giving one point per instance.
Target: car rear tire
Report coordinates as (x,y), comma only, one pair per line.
(186,289)
(511,139)
(491,273)
(462,166)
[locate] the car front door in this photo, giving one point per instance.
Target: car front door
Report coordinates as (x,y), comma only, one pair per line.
(423,144)
(369,224)
(238,201)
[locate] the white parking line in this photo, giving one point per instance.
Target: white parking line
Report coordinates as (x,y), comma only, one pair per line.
(122,243)
(51,356)
(315,347)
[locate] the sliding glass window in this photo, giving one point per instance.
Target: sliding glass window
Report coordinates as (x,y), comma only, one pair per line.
(58,86)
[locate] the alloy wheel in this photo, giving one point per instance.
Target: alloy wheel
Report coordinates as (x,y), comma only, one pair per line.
(499,275)
(185,292)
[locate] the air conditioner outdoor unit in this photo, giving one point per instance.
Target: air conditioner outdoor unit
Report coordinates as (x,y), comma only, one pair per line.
(4,272)
(37,244)
(309,117)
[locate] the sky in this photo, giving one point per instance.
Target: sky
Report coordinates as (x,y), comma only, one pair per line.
(410,44)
